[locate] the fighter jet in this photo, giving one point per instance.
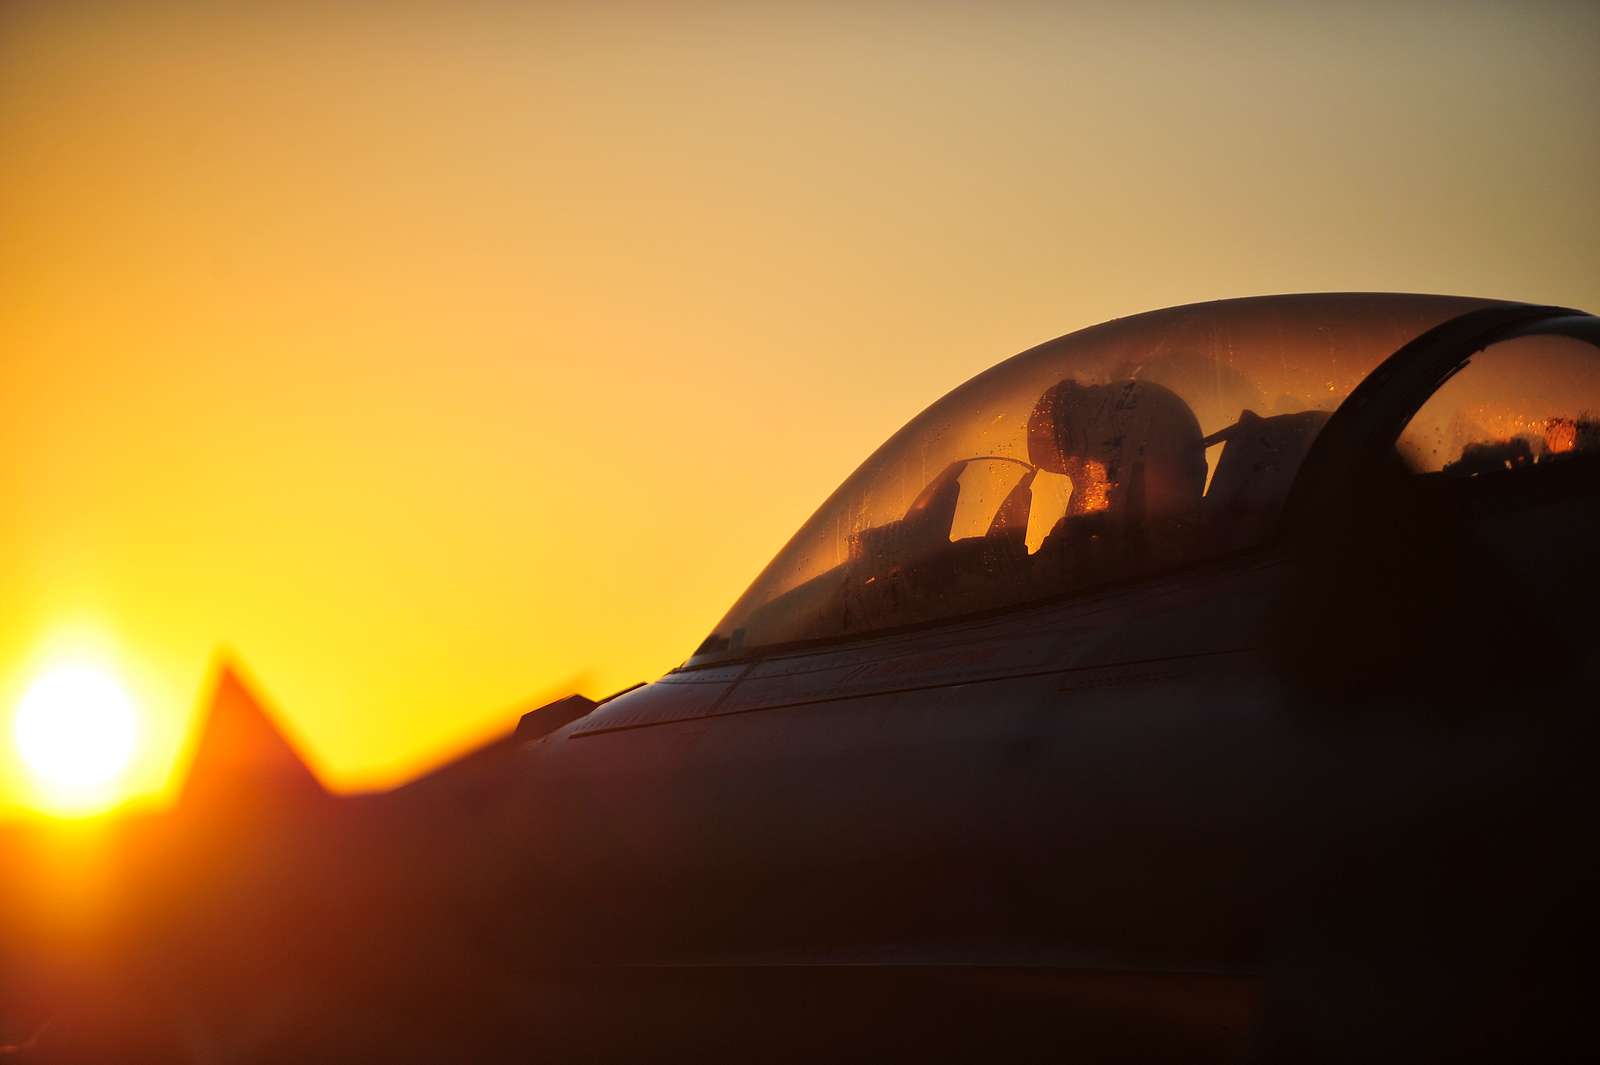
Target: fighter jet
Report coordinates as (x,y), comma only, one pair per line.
(1215,683)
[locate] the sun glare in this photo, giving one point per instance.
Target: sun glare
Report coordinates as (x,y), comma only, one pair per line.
(75,730)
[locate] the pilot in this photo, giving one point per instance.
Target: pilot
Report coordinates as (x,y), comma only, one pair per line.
(1132,449)
(1215,390)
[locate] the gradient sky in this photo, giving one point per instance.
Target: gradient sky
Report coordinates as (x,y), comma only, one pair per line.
(435,358)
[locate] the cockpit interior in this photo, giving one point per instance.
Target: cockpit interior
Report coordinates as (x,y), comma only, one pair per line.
(1137,447)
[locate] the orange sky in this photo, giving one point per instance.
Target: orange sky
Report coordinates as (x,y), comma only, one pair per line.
(433,357)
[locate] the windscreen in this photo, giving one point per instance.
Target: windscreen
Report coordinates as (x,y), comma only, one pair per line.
(1119,451)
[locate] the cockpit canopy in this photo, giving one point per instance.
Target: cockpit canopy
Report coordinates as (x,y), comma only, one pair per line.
(1118,451)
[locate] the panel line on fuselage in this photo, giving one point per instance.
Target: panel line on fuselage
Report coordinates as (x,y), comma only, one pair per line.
(1099,667)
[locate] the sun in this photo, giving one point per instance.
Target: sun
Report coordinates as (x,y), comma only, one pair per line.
(76,732)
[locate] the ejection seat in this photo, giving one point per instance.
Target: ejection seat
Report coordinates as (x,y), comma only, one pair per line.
(1259,460)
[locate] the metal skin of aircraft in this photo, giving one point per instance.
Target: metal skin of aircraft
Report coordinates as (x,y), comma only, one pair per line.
(1268,740)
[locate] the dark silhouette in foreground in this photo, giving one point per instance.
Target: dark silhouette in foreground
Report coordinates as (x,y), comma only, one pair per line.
(1111,711)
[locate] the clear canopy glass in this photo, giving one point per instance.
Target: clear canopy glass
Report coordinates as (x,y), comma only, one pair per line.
(1525,402)
(1121,450)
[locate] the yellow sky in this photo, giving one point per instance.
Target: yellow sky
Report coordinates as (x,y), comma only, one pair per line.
(433,357)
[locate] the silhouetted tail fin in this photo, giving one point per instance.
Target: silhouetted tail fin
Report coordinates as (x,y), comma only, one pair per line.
(242,756)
